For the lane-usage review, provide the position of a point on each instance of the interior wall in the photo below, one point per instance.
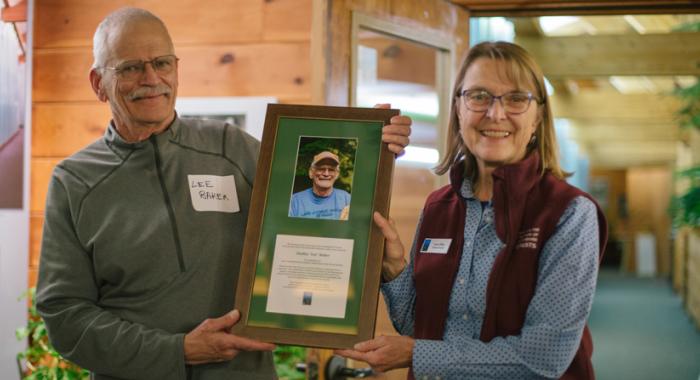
(14, 217)
(649, 193)
(615, 206)
(226, 48)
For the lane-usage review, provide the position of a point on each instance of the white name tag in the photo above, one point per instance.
(213, 193)
(439, 246)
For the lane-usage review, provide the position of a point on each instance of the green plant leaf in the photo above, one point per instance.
(39, 350)
(21, 333)
(286, 359)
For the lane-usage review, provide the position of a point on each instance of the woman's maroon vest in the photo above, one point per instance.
(527, 208)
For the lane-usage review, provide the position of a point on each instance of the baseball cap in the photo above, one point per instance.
(325, 155)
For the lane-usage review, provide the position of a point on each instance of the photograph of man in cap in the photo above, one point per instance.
(322, 200)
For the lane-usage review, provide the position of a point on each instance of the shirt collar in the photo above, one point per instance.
(112, 137)
(521, 175)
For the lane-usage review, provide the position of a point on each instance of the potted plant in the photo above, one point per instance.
(40, 361)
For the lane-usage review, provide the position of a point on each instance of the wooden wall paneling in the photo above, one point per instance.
(295, 100)
(36, 227)
(61, 129)
(41, 169)
(31, 276)
(287, 20)
(62, 75)
(269, 69)
(71, 23)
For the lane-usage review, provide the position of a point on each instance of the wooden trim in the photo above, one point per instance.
(604, 55)
(319, 51)
(439, 42)
(489, 8)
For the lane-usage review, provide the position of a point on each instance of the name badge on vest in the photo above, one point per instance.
(213, 193)
(439, 246)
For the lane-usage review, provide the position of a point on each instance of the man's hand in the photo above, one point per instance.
(394, 262)
(383, 353)
(397, 132)
(211, 341)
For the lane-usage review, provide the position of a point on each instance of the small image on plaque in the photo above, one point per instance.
(306, 300)
(322, 181)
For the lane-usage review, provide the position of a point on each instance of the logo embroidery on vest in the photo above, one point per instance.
(528, 238)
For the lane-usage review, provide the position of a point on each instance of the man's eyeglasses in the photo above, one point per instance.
(133, 70)
(515, 102)
(324, 169)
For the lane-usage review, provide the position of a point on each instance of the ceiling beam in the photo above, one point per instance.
(611, 106)
(605, 55)
(615, 155)
(623, 132)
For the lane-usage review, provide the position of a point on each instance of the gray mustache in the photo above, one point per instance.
(143, 92)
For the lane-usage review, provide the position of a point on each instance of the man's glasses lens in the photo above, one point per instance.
(326, 169)
(132, 70)
(512, 102)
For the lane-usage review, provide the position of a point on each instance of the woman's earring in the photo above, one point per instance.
(533, 139)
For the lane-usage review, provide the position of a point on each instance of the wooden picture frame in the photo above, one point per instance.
(312, 278)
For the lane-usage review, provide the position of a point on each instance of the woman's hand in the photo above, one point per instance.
(394, 261)
(383, 353)
(396, 134)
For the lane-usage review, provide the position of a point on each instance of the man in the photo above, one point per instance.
(322, 200)
(138, 272)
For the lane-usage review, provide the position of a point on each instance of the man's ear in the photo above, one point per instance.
(311, 175)
(96, 83)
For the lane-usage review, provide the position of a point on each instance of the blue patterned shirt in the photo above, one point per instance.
(555, 317)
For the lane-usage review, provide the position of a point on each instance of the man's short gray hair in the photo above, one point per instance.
(113, 22)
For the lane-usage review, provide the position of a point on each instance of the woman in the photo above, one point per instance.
(504, 262)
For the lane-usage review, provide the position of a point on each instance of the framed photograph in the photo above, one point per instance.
(312, 256)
